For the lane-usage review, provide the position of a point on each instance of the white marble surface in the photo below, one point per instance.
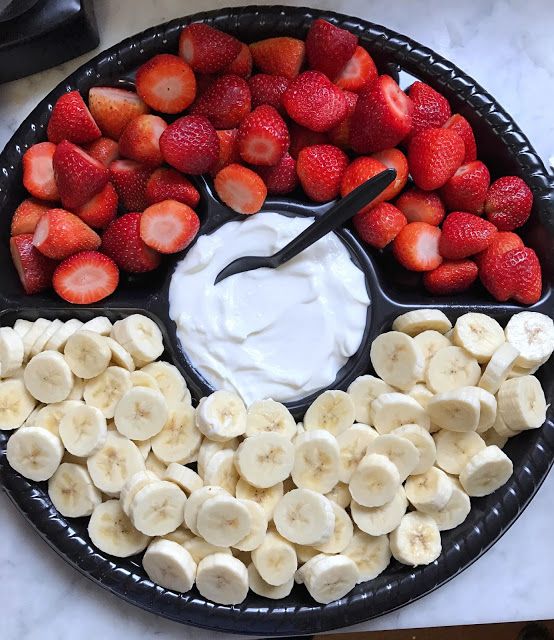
(507, 46)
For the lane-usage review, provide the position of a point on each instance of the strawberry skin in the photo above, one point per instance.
(434, 155)
(240, 188)
(279, 56)
(451, 277)
(38, 172)
(168, 226)
(86, 277)
(465, 234)
(416, 247)
(206, 49)
(281, 178)
(27, 215)
(140, 139)
(329, 48)
(320, 169)
(340, 135)
(71, 120)
(393, 159)
(113, 108)
(34, 270)
(242, 64)
(359, 171)
(467, 188)
(301, 137)
(430, 108)
(190, 144)
(228, 150)
(516, 274)
(263, 137)
(379, 225)
(509, 203)
(121, 241)
(358, 73)
(225, 102)
(101, 209)
(266, 89)
(421, 206)
(60, 234)
(168, 184)
(502, 242)
(462, 127)
(105, 150)
(129, 179)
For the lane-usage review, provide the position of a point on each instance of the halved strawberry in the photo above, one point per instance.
(105, 150)
(266, 89)
(60, 234)
(451, 277)
(280, 56)
(393, 159)
(359, 171)
(416, 247)
(421, 206)
(168, 226)
(71, 120)
(140, 139)
(434, 155)
(379, 225)
(113, 108)
(358, 73)
(166, 83)
(190, 144)
(38, 172)
(86, 277)
(467, 188)
(328, 47)
(34, 270)
(509, 203)
(242, 64)
(240, 188)
(263, 137)
(340, 135)
(282, 177)
(320, 170)
(26, 216)
(462, 127)
(101, 209)
(129, 179)
(207, 49)
(464, 235)
(430, 108)
(301, 137)
(228, 150)
(225, 102)
(168, 184)
(121, 241)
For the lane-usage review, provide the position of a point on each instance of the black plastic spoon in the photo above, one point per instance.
(330, 220)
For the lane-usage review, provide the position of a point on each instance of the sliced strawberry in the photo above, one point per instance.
(242, 64)
(451, 277)
(105, 150)
(60, 234)
(281, 178)
(301, 137)
(462, 127)
(464, 235)
(509, 203)
(266, 89)
(225, 102)
(502, 242)
(168, 184)
(434, 155)
(279, 56)
(101, 209)
(129, 179)
(168, 226)
(140, 139)
(71, 120)
(393, 159)
(27, 215)
(86, 277)
(190, 144)
(359, 171)
(430, 108)
(515, 274)
(228, 150)
(121, 241)
(113, 108)
(379, 225)
(263, 137)
(421, 206)
(166, 83)
(329, 48)
(358, 73)
(240, 188)
(416, 247)
(340, 135)
(467, 188)
(38, 172)
(206, 49)
(320, 170)
(34, 270)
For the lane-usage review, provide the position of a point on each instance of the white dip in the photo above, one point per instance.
(270, 333)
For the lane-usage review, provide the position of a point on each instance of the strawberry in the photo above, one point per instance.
(313, 101)
(129, 179)
(225, 102)
(263, 137)
(121, 241)
(509, 202)
(340, 135)
(467, 188)
(280, 178)
(86, 277)
(502, 242)
(515, 274)
(190, 144)
(168, 184)
(27, 215)
(266, 89)
(166, 83)
(279, 56)
(379, 225)
(451, 277)
(320, 169)
(434, 155)
(34, 270)
(240, 188)
(465, 234)
(329, 48)
(140, 139)
(206, 49)
(60, 234)
(462, 127)
(416, 247)
(301, 137)
(430, 108)
(242, 64)
(358, 73)
(359, 171)
(105, 150)
(71, 120)
(382, 118)
(101, 209)
(168, 226)
(113, 108)
(393, 159)
(421, 206)
(228, 150)
(38, 172)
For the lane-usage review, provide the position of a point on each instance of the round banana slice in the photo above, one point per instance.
(87, 354)
(221, 416)
(141, 413)
(377, 521)
(170, 565)
(400, 451)
(479, 334)
(414, 322)
(222, 579)
(486, 472)
(397, 359)
(375, 481)
(452, 368)
(521, 403)
(199, 548)
(48, 377)
(329, 578)
(50, 415)
(179, 439)
(305, 553)
(34, 452)
(133, 485)
(421, 394)
(275, 559)
(456, 511)
(58, 341)
(112, 465)
(487, 410)
(371, 554)
(430, 342)
(316, 461)
(72, 492)
(196, 500)
(353, 444)
(269, 416)
(21, 326)
(141, 379)
(456, 410)
(11, 351)
(423, 442)
(498, 367)
(158, 508)
(180, 536)
(262, 588)
(16, 403)
(430, 490)
(532, 334)
(170, 381)
(363, 392)
(258, 527)
(77, 390)
(223, 521)
(208, 448)
(185, 478)
(221, 471)
(83, 430)
(40, 342)
(502, 428)
(342, 532)
(265, 459)
(36, 330)
(455, 449)
(106, 390)
(112, 532)
(304, 517)
(141, 336)
(393, 410)
(340, 494)
(120, 356)
(332, 411)
(417, 540)
(267, 498)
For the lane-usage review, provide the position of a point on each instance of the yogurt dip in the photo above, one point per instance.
(270, 333)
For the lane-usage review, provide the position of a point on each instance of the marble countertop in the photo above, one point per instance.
(507, 46)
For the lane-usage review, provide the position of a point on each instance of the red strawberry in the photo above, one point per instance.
(263, 137)
(281, 178)
(168, 184)
(113, 108)
(320, 170)
(266, 89)
(34, 270)
(329, 48)
(225, 102)
(166, 83)
(421, 206)
(379, 225)
(393, 159)
(434, 155)
(121, 241)
(340, 135)
(465, 234)
(509, 202)
(206, 49)
(101, 209)
(359, 171)
(416, 247)
(38, 172)
(190, 144)
(228, 150)
(462, 127)
(27, 215)
(71, 120)
(430, 108)
(168, 226)
(502, 242)
(78, 175)
(242, 64)
(467, 188)
(360, 71)
(60, 234)
(140, 139)
(86, 277)
(516, 274)
(313, 101)
(382, 118)
(240, 188)
(105, 150)
(301, 137)
(129, 179)
(451, 277)
(279, 56)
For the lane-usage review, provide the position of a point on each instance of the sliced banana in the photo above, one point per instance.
(221, 471)
(517, 371)
(456, 510)
(40, 342)
(429, 491)
(199, 548)
(455, 449)
(305, 553)
(532, 334)
(21, 326)
(112, 465)
(521, 403)
(275, 559)
(120, 356)
(316, 461)
(72, 492)
(422, 441)
(452, 368)
(258, 527)
(487, 410)
(267, 498)
(486, 472)
(99, 324)
(414, 322)
(158, 508)
(375, 481)
(34, 452)
(185, 478)
(30, 420)
(50, 415)
(430, 342)
(196, 500)
(332, 411)
(377, 521)
(208, 448)
(170, 565)
(221, 416)
(353, 444)
(393, 410)
(223, 521)
(179, 439)
(479, 334)
(170, 381)
(340, 494)
(304, 517)
(141, 379)
(87, 353)
(498, 367)
(265, 459)
(400, 451)
(421, 393)
(269, 416)
(371, 554)
(329, 578)
(38, 328)
(58, 341)
(152, 463)
(397, 359)
(112, 532)
(16, 403)
(141, 413)
(417, 540)
(262, 588)
(342, 532)
(456, 410)
(133, 485)
(106, 390)
(222, 579)
(11, 351)
(363, 392)
(141, 336)
(181, 535)
(502, 428)
(83, 430)
(48, 377)
(77, 390)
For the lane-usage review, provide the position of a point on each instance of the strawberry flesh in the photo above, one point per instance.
(421, 206)
(416, 247)
(105, 150)
(393, 159)
(27, 215)
(280, 56)
(38, 171)
(114, 108)
(228, 150)
(166, 83)
(206, 49)
(86, 277)
(60, 234)
(168, 226)
(140, 139)
(240, 188)
(358, 73)
(263, 137)
(242, 64)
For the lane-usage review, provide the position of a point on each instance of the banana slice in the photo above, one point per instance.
(267, 498)
(456, 410)
(133, 485)
(156, 466)
(377, 521)
(342, 532)
(316, 461)
(258, 527)
(371, 554)
(486, 472)
(170, 565)
(199, 548)
(158, 508)
(532, 334)
(185, 478)
(170, 381)
(305, 517)
(72, 492)
(521, 403)
(305, 553)
(83, 430)
(353, 444)
(429, 491)
(479, 334)
(222, 579)
(269, 416)
(40, 342)
(455, 449)
(375, 481)
(112, 465)
(11, 351)
(179, 439)
(430, 342)
(221, 416)
(487, 410)
(502, 428)
(393, 410)
(265, 459)
(38, 328)
(58, 341)
(363, 392)
(417, 540)
(120, 356)
(456, 510)
(87, 353)
(414, 322)
(452, 368)
(141, 336)
(397, 359)
(208, 448)
(196, 500)
(223, 521)
(421, 393)
(221, 471)
(35, 453)
(275, 559)
(50, 415)
(262, 588)
(21, 326)
(106, 390)
(99, 324)
(493, 437)
(400, 451)
(422, 441)
(16, 403)
(141, 413)
(332, 411)
(329, 578)
(48, 377)
(517, 371)
(181, 535)
(498, 367)
(340, 494)
(112, 532)
(141, 379)
(77, 390)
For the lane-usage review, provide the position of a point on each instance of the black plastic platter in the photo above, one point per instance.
(504, 149)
